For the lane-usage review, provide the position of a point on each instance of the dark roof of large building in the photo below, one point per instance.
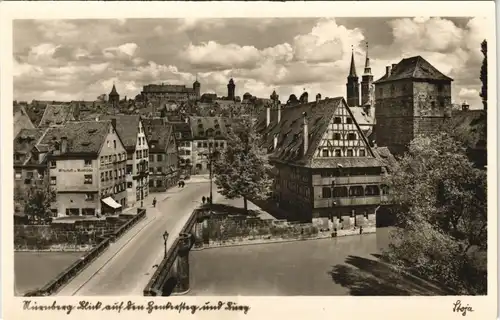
(184, 129)
(290, 135)
(127, 127)
(204, 127)
(57, 114)
(84, 137)
(158, 134)
(24, 142)
(414, 68)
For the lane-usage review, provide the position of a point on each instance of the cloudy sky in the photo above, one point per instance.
(81, 59)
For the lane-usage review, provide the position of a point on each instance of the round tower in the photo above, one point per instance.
(230, 89)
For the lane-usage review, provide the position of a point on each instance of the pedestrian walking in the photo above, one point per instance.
(203, 199)
(154, 202)
(179, 184)
(182, 184)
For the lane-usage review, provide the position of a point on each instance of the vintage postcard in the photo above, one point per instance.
(249, 160)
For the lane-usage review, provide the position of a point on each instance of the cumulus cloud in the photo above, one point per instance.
(84, 58)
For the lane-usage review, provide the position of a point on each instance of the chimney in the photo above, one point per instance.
(318, 97)
(368, 110)
(268, 115)
(306, 133)
(275, 141)
(113, 122)
(64, 144)
(393, 66)
(279, 113)
(388, 70)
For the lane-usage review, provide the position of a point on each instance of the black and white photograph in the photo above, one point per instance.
(252, 156)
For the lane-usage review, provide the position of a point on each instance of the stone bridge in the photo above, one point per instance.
(172, 275)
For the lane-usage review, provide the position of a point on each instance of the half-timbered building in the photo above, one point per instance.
(323, 165)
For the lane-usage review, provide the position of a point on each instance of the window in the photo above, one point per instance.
(324, 153)
(441, 104)
(159, 170)
(338, 153)
(356, 191)
(187, 152)
(372, 190)
(19, 174)
(326, 192)
(340, 192)
(129, 185)
(87, 163)
(114, 144)
(116, 173)
(351, 136)
(210, 145)
(130, 156)
(88, 211)
(87, 179)
(53, 181)
(385, 189)
(151, 157)
(199, 145)
(205, 145)
(159, 158)
(350, 153)
(151, 169)
(102, 176)
(433, 104)
(362, 153)
(349, 120)
(53, 164)
(107, 143)
(221, 144)
(89, 196)
(151, 183)
(336, 136)
(129, 169)
(337, 120)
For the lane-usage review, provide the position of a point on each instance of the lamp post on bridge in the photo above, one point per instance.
(210, 163)
(165, 237)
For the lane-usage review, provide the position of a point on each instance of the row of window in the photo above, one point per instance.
(346, 172)
(327, 153)
(29, 175)
(353, 191)
(139, 154)
(350, 136)
(185, 144)
(113, 190)
(210, 145)
(110, 175)
(157, 170)
(112, 158)
(338, 120)
(87, 179)
(142, 140)
(159, 157)
(440, 88)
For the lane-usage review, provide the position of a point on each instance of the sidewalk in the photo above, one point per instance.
(148, 201)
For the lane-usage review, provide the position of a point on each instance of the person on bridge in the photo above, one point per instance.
(179, 184)
(203, 199)
(182, 184)
(154, 202)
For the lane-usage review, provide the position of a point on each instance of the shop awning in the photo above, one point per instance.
(111, 202)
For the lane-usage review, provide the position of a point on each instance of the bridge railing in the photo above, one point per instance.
(160, 276)
(76, 267)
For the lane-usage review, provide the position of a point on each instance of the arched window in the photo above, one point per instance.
(325, 153)
(356, 191)
(362, 153)
(372, 190)
(350, 153)
(326, 192)
(338, 153)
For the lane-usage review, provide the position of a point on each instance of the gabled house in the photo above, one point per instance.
(184, 140)
(163, 160)
(21, 119)
(131, 130)
(323, 165)
(86, 163)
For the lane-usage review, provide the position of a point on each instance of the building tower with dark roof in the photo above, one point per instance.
(114, 98)
(367, 84)
(352, 85)
(230, 89)
(197, 88)
(412, 98)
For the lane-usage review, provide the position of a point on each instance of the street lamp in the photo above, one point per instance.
(165, 237)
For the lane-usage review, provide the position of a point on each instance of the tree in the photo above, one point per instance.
(241, 170)
(38, 202)
(441, 229)
(484, 74)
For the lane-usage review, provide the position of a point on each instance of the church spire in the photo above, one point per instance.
(352, 71)
(368, 69)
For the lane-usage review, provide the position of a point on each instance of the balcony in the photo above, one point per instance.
(326, 181)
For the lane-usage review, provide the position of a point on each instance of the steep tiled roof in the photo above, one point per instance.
(127, 126)
(361, 117)
(84, 137)
(57, 114)
(184, 129)
(21, 119)
(35, 113)
(24, 142)
(158, 134)
(201, 126)
(289, 131)
(414, 68)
